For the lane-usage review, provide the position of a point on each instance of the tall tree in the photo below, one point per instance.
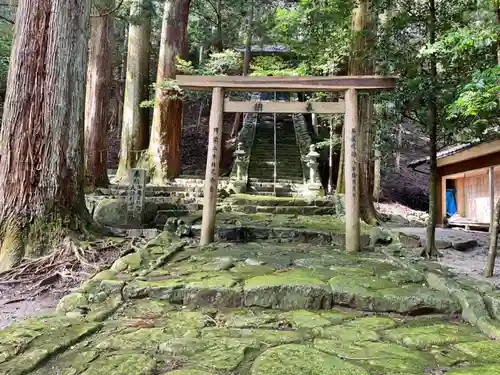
(98, 93)
(430, 247)
(361, 63)
(135, 126)
(166, 131)
(41, 139)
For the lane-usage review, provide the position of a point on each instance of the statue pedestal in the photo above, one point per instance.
(238, 187)
(313, 190)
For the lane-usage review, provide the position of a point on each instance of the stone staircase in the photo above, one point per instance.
(289, 176)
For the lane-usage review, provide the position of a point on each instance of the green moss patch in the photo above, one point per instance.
(122, 364)
(51, 342)
(477, 370)
(377, 356)
(487, 350)
(221, 355)
(361, 329)
(435, 334)
(300, 359)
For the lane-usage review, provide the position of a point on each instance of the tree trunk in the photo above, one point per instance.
(377, 189)
(430, 250)
(399, 146)
(340, 187)
(492, 251)
(98, 95)
(166, 132)
(246, 63)
(41, 138)
(361, 63)
(495, 223)
(135, 126)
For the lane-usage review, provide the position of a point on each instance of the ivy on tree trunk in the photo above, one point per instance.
(41, 139)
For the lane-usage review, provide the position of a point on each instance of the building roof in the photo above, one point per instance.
(447, 151)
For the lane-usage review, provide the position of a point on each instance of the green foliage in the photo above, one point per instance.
(227, 62)
(6, 35)
(318, 32)
(478, 100)
(275, 66)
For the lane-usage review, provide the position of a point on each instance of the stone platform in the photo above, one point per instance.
(266, 308)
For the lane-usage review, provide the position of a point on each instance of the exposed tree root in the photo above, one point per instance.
(70, 263)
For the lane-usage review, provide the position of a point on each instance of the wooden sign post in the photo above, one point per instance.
(212, 170)
(351, 149)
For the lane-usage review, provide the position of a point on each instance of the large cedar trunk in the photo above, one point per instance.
(98, 95)
(135, 126)
(41, 139)
(430, 250)
(166, 131)
(361, 63)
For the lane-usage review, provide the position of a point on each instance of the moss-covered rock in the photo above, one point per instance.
(492, 369)
(51, 342)
(130, 262)
(221, 355)
(113, 213)
(361, 329)
(484, 351)
(436, 334)
(253, 337)
(379, 357)
(71, 302)
(300, 359)
(293, 289)
(200, 289)
(122, 364)
(189, 372)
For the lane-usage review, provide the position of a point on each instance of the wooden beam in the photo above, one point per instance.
(491, 174)
(351, 147)
(212, 169)
(283, 107)
(314, 84)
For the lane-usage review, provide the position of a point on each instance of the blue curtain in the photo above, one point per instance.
(451, 202)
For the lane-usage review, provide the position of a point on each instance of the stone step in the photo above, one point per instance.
(248, 200)
(285, 210)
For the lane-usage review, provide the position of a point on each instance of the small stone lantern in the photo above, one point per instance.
(239, 153)
(312, 163)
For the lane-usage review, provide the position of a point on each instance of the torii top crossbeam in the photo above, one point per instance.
(249, 83)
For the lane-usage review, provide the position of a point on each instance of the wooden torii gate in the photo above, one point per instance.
(349, 84)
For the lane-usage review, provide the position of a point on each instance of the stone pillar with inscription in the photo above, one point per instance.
(351, 165)
(135, 196)
(212, 169)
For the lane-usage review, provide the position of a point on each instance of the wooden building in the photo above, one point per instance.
(471, 175)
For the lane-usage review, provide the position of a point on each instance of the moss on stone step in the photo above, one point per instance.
(287, 290)
(493, 369)
(379, 357)
(304, 360)
(361, 329)
(426, 336)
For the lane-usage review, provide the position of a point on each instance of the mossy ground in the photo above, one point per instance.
(250, 309)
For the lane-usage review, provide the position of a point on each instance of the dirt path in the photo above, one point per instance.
(469, 263)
